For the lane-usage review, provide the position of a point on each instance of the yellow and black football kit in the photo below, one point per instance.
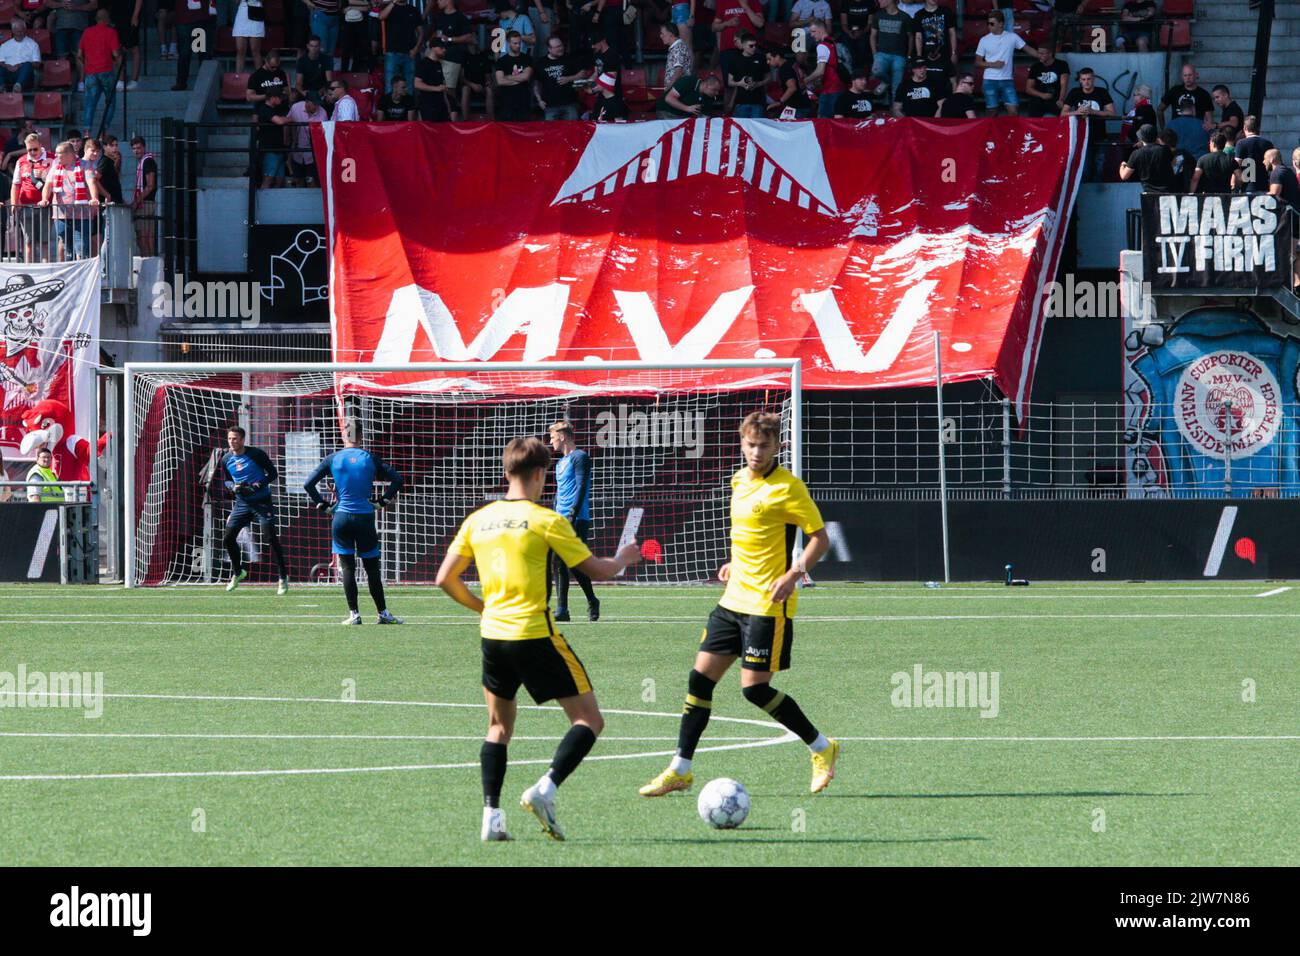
(510, 542)
(764, 515)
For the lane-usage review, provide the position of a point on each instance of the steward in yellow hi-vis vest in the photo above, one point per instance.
(510, 542)
(753, 622)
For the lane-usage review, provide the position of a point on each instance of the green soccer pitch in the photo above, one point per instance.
(1130, 724)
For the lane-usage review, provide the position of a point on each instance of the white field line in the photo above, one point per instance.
(1272, 592)
(1139, 739)
(169, 736)
(783, 737)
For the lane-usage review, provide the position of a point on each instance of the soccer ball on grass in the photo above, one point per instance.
(723, 804)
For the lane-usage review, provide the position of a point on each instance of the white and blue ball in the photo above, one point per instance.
(723, 804)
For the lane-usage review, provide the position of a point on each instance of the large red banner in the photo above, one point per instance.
(845, 244)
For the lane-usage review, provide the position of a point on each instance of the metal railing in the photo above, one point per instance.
(61, 233)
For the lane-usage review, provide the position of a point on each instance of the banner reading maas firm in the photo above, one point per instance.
(1214, 240)
(49, 316)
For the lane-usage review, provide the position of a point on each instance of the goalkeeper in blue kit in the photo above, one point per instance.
(249, 476)
(354, 471)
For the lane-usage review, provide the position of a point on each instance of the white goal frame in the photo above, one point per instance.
(133, 370)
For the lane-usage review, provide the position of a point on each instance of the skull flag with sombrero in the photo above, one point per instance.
(23, 323)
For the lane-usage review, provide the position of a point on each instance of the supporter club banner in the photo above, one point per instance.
(1214, 240)
(49, 314)
(844, 244)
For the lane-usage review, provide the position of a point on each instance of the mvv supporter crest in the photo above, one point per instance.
(1228, 397)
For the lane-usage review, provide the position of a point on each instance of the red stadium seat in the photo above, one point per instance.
(43, 41)
(365, 103)
(978, 8)
(1176, 35)
(1177, 8)
(56, 75)
(357, 81)
(636, 92)
(48, 106)
(225, 42)
(1021, 77)
(971, 33)
(11, 106)
(274, 39)
(234, 86)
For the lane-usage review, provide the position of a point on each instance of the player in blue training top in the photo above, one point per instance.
(354, 471)
(573, 501)
(249, 475)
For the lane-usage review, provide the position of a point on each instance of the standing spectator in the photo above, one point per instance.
(1191, 130)
(126, 20)
(556, 73)
(919, 95)
(788, 92)
(1151, 164)
(1135, 28)
(113, 150)
(734, 16)
(1142, 111)
(354, 36)
(605, 59)
(166, 28)
(960, 104)
(855, 102)
(143, 199)
(825, 79)
(30, 173)
(513, 18)
(1230, 114)
(936, 40)
(855, 24)
(994, 56)
(1045, 86)
(42, 475)
(690, 96)
(248, 30)
(1215, 170)
(475, 81)
(32, 13)
(1249, 153)
(302, 163)
(272, 118)
(452, 26)
(1088, 99)
(266, 79)
(70, 19)
(514, 76)
(805, 12)
(313, 71)
(681, 61)
(74, 194)
(99, 53)
(1281, 179)
(746, 79)
(396, 106)
(890, 39)
(343, 105)
(610, 107)
(105, 170)
(325, 24)
(1190, 91)
(19, 57)
(196, 32)
(1182, 161)
(403, 31)
(608, 19)
(544, 22)
(433, 93)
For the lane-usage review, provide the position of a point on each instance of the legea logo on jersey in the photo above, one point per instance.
(1228, 393)
(629, 428)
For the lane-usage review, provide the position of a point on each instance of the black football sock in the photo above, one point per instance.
(492, 763)
(375, 581)
(577, 743)
(348, 572)
(273, 540)
(695, 717)
(230, 540)
(562, 586)
(781, 706)
(584, 582)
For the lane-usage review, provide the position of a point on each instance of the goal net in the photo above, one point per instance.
(662, 440)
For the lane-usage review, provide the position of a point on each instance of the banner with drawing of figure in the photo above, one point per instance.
(1211, 402)
(49, 319)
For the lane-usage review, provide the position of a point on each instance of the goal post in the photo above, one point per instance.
(662, 439)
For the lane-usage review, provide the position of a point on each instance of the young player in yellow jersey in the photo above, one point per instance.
(754, 621)
(510, 541)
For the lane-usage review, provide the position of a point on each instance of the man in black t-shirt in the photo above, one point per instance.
(610, 107)
(1135, 28)
(855, 21)
(432, 95)
(312, 71)
(1230, 114)
(397, 106)
(272, 117)
(1045, 87)
(918, 95)
(1173, 99)
(1249, 152)
(1181, 160)
(556, 72)
(1213, 173)
(1090, 100)
(746, 73)
(267, 79)
(514, 76)
(1281, 179)
(605, 59)
(855, 102)
(961, 104)
(1149, 164)
(454, 27)
(792, 94)
(403, 29)
(936, 39)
